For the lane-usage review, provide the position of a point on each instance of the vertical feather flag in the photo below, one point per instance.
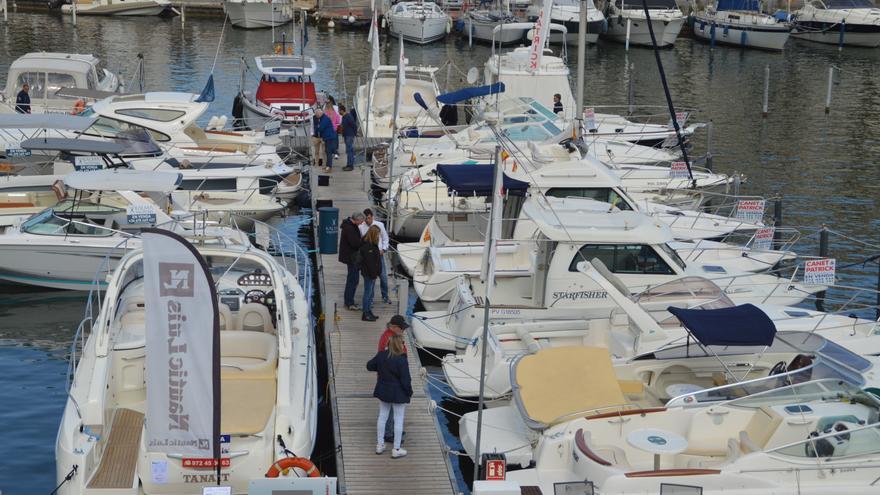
(373, 38)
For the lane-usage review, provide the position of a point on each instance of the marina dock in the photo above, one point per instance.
(351, 343)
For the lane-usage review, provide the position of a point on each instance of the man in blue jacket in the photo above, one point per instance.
(327, 134)
(23, 100)
(349, 131)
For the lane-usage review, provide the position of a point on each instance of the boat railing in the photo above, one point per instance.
(640, 114)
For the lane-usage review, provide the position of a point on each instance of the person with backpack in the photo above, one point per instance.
(349, 253)
(393, 389)
(371, 268)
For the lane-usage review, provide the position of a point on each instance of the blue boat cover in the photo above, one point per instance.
(744, 325)
(738, 5)
(468, 93)
(477, 180)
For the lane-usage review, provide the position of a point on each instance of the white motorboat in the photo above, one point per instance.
(375, 100)
(77, 242)
(48, 72)
(731, 434)
(418, 22)
(285, 93)
(118, 7)
(493, 26)
(627, 22)
(263, 371)
(255, 14)
(838, 22)
(628, 331)
(422, 193)
(634, 247)
(567, 13)
(740, 23)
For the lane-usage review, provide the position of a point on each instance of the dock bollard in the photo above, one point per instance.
(766, 90)
(823, 253)
(828, 94)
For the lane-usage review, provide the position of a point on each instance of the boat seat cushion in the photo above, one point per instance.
(760, 429)
(255, 317)
(247, 381)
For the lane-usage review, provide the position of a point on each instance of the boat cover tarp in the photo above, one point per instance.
(124, 180)
(468, 93)
(46, 121)
(555, 383)
(73, 145)
(751, 5)
(476, 180)
(290, 92)
(744, 325)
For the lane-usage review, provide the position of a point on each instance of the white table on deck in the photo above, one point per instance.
(657, 442)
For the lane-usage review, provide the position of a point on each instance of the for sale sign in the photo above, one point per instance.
(820, 272)
(590, 119)
(763, 239)
(678, 170)
(750, 210)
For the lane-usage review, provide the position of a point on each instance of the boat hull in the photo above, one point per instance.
(666, 31)
(823, 32)
(416, 31)
(67, 267)
(255, 118)
(760, 37)
(483, 31)
(257, 15)
(121, 8)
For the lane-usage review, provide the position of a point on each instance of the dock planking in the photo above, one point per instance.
(352, 343)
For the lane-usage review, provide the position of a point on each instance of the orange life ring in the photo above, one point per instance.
(78, 107)
(293, 462)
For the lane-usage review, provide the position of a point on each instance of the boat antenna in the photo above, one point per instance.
(684, 153)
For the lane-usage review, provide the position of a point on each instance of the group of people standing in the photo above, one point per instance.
(363, 242)
(328, 122)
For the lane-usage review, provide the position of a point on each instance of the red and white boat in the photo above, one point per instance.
(286, 92)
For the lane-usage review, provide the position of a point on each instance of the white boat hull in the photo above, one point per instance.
(67, 267)
(762, 37)
(418, 31)
(832, 37)
(665, 31)
(482, 31)
(257, 15)
(121, 8)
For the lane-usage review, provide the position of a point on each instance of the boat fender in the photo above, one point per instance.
(384, 23)
(448, 26)
(742, 38)
(331, 24)
(237, 108)
(351, 19)
(78, 107)
(282, 465)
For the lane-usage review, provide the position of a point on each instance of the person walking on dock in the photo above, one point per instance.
(396, 326)
(384, 244)
(317, 142)
(349, 246)
(393, 389)
(23, 100)
(349, 132)
(371, 267)
(327, 132)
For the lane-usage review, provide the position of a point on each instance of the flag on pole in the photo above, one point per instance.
(541, 31)
(182, 348)
(207, 94)
(373, 38)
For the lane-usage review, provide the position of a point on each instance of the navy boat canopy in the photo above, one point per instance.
(744, 325)
(468, 93)
(751, 5)
(477, 180)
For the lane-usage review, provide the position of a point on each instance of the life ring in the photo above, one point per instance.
(293, 462)
(78, 107)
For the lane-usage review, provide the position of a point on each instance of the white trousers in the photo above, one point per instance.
(385, 409)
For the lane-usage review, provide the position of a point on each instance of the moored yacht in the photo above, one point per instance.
(285, 92)
(239, 328)
(838, 22)
(420, 22)
(740, 23)
(374, 100)
(567, 13)
(627, 22)
(493, 26)
(118, 7)
(255, 14)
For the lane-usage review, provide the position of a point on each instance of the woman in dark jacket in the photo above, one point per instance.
(393, 389)
(371, 267)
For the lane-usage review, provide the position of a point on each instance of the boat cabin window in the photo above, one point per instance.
(209, 185)
(652, 4)
(36, 81)
(157, 114)
(107, 127)
(91, 81)
(673, 255)
(623, 258)
(56, 81)
(601, 194)
(72, 218)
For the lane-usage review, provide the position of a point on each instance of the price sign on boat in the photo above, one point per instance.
(820, 272)
(750, 210)
(764, 239)
(87, 163)
(13, 150)
(140, 214)
(590, 119)
(678, 170)
(273, 128)
(681, 118)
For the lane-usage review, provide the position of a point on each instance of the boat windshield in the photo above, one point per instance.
(815, 390)
(137, 139)
(652, 4)
(849, 4)
(832, 444)
(697, 291)
(72, 218)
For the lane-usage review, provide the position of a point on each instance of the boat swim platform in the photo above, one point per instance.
(118, 466)
(351, 343)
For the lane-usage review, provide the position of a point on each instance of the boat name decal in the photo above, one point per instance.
(580, 294)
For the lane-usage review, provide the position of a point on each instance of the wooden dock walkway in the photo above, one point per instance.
(352, 342)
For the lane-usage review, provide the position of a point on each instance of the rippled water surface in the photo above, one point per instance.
(825, 166)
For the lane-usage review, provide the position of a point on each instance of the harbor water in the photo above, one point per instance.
(825, 166)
